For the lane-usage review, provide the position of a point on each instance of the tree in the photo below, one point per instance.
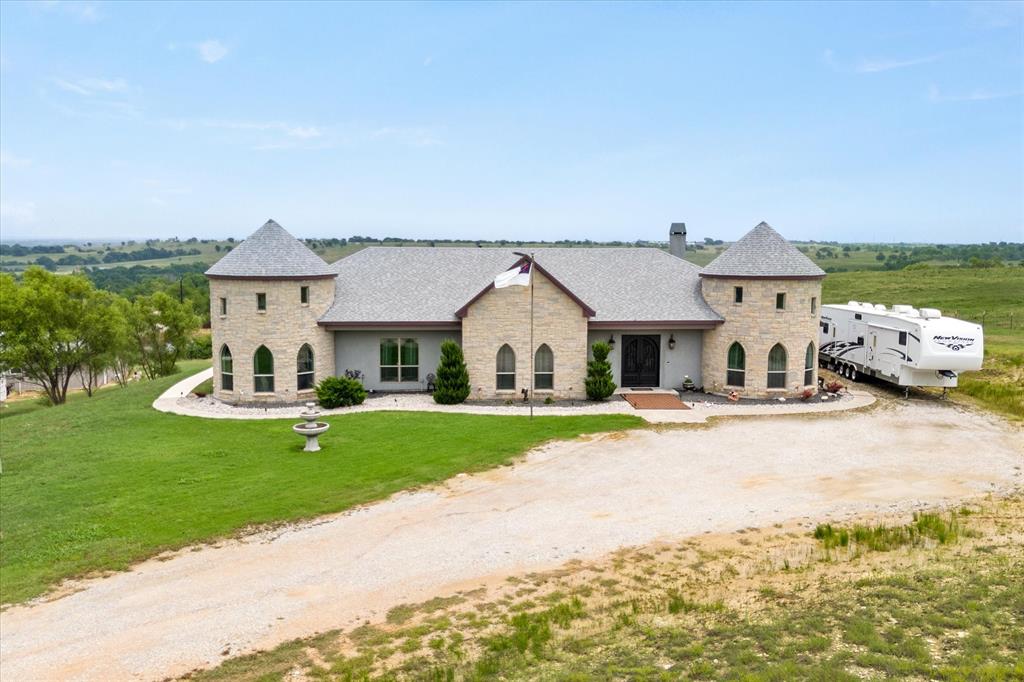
(123, 354)
(161, 327)
(45, 327)
(599, 384)
(100, 322)
(452, 376)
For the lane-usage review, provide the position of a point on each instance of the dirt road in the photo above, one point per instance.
(569, 500)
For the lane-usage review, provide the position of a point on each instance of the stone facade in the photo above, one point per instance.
(503, 316)
(283, 328)
(758, 325)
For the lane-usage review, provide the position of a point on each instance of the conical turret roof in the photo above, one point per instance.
(762, 252)
(271, 253)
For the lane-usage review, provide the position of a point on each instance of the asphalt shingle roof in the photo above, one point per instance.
(762, 252)
(427, 284)
(271, 252)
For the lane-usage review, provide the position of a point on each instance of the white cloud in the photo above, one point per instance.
(304, 132)
(211, 51)
(980, 95)
(877, 66)
(24, 212)
(91, 86)
(12, 161)
(86, 12)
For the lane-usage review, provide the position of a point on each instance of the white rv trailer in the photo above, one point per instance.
(901, 345)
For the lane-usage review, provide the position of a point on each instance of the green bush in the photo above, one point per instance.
(340, 392)
(599, 382)
(452, 384)
(199, 347)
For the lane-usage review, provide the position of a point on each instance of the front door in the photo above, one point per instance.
(641, 360)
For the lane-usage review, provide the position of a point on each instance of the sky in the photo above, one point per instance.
(846, 121)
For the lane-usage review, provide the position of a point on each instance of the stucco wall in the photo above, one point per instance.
(758, 326)
(283, 328)
(684, 360)
(503, 316)
(361, 350)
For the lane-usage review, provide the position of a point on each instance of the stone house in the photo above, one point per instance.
(283, 319)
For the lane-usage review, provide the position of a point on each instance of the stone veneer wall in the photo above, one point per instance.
(758, 326)
(503, 316)
(283, 328)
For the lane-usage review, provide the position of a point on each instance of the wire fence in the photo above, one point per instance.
(1010, 320)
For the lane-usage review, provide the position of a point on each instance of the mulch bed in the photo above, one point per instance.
(655, 401)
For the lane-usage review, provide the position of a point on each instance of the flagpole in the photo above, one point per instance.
(532, 354)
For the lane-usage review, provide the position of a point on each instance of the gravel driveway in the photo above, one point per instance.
(578, 499)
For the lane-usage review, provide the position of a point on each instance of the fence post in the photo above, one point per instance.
(1011, 319)
(983, 318)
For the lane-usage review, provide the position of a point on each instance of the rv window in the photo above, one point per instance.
(824, 327)
(857, 316)
(903, 338)
(860, 340)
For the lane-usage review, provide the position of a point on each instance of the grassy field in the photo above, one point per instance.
(939, 597)
(982, 295)
(102, 482)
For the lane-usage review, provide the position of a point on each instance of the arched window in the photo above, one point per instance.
(227, 374)
(544, 368)
(737, 366)
(304, 368)
(263, 370)
(777, 367)
(506, 369)
(809, 365)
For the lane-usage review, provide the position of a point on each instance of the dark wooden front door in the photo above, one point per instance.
(641, 360)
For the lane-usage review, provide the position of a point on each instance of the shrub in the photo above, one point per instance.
(452, 384)
(199, 347)
(599, 384)
(834, 387)
(340, 392)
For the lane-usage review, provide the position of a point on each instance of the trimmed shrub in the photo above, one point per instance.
(599, 382)
(452, 385)
(340, 392)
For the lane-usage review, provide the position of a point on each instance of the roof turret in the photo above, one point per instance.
(271, 253)
(763, 253)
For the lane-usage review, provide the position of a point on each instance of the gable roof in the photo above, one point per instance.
(763, 252)
(411, 284)
(587, 310)
(271, 253)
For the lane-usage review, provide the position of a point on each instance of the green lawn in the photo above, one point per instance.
(100, 483)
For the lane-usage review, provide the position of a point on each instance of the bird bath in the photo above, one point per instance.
(311, 428)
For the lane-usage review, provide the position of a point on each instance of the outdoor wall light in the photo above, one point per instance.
(611, 341)
(671, 342)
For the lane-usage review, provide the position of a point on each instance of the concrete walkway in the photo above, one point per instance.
(176, 400)
(568, 500)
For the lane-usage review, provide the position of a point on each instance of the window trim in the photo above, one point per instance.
(261, 301)
(304, 295)
(814, 305)
(742, 370)
(223, 306)
(230, 374)
(809, 365)
(498, 374)
(780, 297)
(311, 372)
(399, 366)
(737, 295)
(536, 373)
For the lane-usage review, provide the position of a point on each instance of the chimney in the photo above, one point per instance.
(677, 239)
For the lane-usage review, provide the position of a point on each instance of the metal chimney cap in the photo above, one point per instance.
(678, 228)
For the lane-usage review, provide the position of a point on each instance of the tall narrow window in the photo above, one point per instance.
(261, 302)
(304, 368)
(227, 374)
(737, 294)
(780, 301)
(777, 367)
(304, 295)
(814, 304)
(399, 360)
(544, 368)
(809, 365)
(223, 306)
(737, 366)
(506, 369)
(263, 370)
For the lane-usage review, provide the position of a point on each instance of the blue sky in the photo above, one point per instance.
(855, 122)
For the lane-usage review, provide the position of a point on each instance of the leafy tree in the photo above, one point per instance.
(599, 384)
(452, 375)
(123, 353)
(101, 323)
(45, 327)
(161, 328)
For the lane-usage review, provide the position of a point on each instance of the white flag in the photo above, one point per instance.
(519, 276)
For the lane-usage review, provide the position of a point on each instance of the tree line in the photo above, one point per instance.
(55, 326)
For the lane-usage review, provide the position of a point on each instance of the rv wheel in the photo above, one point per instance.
(853, 374)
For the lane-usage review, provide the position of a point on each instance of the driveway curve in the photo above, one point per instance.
(579, 499)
